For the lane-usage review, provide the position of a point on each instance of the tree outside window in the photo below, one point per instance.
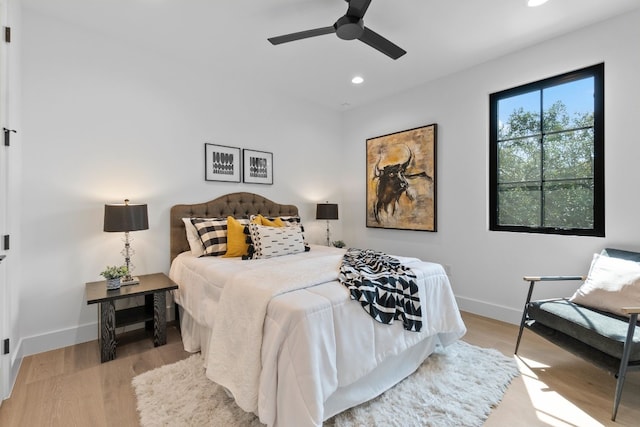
(547, 155)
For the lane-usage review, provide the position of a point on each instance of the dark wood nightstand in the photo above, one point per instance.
(154, 312)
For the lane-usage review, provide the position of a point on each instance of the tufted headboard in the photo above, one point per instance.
(238, 205)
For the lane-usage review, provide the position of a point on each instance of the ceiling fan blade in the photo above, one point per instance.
(378, 42)
(358, 8)
(302, 35)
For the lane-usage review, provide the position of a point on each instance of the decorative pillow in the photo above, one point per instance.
(213, 234)
(276, 222)
(269, 222)
(253, 219)
(237, 245)
(269, 242)
(292, 221)
(193, 237)
(195, 244)
(612, 283)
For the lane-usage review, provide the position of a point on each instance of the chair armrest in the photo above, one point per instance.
(551, 278)
(534, 279)
(631, 310)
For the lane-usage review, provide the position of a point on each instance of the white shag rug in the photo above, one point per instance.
(456, 386)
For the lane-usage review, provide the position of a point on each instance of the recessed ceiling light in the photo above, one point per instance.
(357, 80)
(534, 3)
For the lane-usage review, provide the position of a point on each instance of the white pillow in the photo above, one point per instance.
(193, 237)
(269, 242)
(612, 283)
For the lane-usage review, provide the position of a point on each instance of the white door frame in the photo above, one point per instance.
(5, 372)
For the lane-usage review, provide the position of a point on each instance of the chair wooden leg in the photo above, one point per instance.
(624, 362)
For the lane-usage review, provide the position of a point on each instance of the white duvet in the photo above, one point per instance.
(285, 335)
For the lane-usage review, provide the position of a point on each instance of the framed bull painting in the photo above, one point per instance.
(401, 180)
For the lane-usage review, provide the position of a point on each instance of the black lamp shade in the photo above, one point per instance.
(326, 211)
(125, 217)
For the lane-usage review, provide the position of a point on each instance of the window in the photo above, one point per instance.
(547, 155)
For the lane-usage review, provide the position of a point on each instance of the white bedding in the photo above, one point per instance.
(318, 352)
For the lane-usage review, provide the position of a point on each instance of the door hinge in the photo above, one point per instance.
(5, 242)
(7, 34)
(7, 136)
(5, 349)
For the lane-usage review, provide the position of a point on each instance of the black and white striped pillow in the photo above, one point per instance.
(213, 233)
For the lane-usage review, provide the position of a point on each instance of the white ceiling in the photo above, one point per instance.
(440, 36)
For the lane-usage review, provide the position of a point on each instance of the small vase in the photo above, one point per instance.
(113, 283)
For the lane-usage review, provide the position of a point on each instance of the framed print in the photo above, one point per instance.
(401, 180)
(221, 163)
(258, 167)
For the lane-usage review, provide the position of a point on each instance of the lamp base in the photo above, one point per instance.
(125, 281)
(328, 235)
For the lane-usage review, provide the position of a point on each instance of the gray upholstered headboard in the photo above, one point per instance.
(238, 205)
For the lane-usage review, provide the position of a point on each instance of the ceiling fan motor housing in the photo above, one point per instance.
(349, 27)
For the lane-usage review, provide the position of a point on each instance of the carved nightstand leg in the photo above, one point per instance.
(159, 318)
(107, 331)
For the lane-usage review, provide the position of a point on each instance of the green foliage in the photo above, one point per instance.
(113, 272)
(545, 170)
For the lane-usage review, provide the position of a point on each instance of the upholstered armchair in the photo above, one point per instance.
(598, 323)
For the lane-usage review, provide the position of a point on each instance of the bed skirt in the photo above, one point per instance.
(392, 370)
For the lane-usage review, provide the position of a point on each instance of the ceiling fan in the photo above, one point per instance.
(349, 27)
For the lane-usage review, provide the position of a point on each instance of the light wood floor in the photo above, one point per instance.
(70, 387)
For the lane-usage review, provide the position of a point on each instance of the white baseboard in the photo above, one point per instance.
(493, 311)
(65, 337)
(45, 342)
(57, 339)
(13, 375)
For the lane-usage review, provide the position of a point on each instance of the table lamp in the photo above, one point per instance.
(328, 211)
(125, 218)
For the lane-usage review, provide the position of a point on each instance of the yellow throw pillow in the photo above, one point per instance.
(236, 239)
(277, 222)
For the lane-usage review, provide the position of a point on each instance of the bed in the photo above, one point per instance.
(306, 352)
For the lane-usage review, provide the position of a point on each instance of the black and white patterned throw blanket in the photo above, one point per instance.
(386, 289)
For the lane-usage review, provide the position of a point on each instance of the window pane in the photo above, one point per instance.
(568, 155)
(568, 105)
(569, 204)
(519, 115)
(519, 160)
(547, 155)
(519, 205)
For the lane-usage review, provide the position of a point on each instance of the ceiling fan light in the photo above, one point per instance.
(535, 3)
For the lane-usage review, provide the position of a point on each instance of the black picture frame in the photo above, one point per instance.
(257, 167)
(221, 163)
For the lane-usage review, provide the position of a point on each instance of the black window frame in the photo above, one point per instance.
(598, 230)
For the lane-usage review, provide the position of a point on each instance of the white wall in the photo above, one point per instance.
(104, 121)
(487, 267)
